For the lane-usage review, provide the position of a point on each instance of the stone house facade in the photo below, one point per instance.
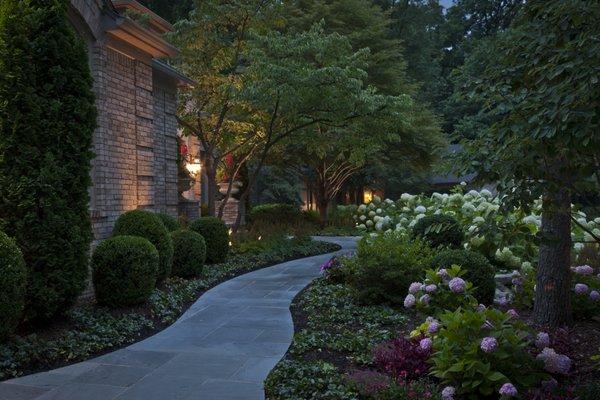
(135, 143)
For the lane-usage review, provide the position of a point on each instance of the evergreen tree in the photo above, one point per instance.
(47, 118)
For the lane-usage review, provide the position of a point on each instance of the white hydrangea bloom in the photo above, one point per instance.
(420, 210)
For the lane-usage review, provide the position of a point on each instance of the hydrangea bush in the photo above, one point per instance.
(441, 290)
(508, 239)
(479, 352)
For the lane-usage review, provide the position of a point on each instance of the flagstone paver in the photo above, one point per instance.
(222, 348)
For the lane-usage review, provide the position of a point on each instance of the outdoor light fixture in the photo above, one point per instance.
(194, 166)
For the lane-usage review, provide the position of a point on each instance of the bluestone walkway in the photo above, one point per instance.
(222, 348)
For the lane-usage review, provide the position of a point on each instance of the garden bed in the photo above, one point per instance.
(331, 356)
(88, 330)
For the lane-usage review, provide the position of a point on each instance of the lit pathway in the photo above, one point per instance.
(222, 348)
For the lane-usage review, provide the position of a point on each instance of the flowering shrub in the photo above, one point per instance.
(402, 358)
(477, 270)
(482, 352)
(443, 289)
(333, 270)
(586, 289)
(506, 239)
(386, 265)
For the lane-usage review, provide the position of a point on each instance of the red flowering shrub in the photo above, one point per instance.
(402, 358)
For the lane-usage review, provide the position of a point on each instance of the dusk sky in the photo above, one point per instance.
(446, 3)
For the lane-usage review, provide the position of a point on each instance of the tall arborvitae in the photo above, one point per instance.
(47, 118)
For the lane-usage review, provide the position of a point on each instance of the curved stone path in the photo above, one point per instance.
(222, 348)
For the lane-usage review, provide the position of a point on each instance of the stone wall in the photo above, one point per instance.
(135, 143)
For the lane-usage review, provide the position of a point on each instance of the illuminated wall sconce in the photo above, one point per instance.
(368, 196)
(194, 166)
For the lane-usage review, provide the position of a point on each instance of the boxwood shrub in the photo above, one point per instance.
(190, 253)
(386, 265)
(124, 270)
(13, 274)
(478, 271)
(215, 234)
(169, 222)
(440, 231)
(148, 225)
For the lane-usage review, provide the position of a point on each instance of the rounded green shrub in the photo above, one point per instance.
(190, 253)
(124, 270)
(215, 234)
(386, 265)
(169, 222)
(47, 120)
(478, 271)
(13, 274)
(148, 225)
(440, 231)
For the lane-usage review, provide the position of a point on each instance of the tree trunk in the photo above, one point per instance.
(553, 282)
(211, 184)
(323, 207)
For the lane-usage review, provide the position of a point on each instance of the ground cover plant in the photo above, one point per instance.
(88, 330)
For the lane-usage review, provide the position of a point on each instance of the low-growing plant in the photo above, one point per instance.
(477, 270)
(403, 358)
(296, 380)
(215, 234)
(441, 290)
(476, 352)
(415, 390)
(439, 230)
(13, 281)
(387, 265)
(124, 270)
(189, 255)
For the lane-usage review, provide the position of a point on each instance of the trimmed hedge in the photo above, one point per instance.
(13, 282)
(47, 119)
(124, 271)
(148, 225)
(169, 222)
(440, 231)
(478, 271)
(215, 234)
(275, 213)
(190, 253)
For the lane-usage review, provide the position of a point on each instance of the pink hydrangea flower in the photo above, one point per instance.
(443, 274)
(409, 301)
(448, 393)
(581, 288)
(433, 327)
(542, 340)
(509, 390)
(513, 313)
(424, 299)
(430, 288)
(583, 270)
(414, 287)
(425, 344)
(594, 295)
(553, 362)
(488, 344)
(457, 285)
